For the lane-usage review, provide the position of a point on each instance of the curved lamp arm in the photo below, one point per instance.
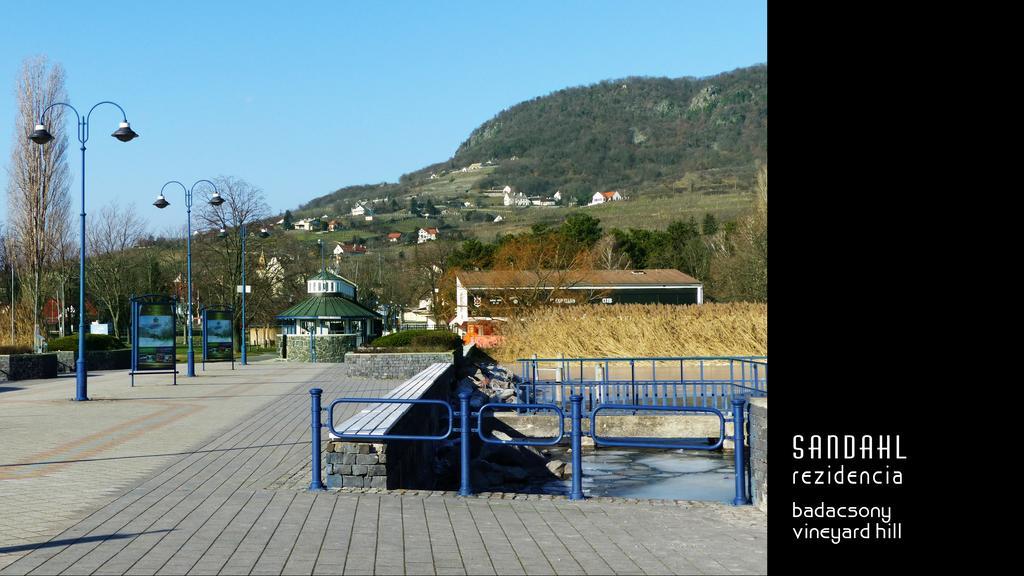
(78, 117)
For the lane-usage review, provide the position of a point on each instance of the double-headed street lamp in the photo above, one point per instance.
(241, 232)
(40, 135)
(161, 203)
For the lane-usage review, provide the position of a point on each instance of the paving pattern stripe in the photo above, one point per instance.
(122, 435)
(256, 422)
(254, 472)
(157, 482)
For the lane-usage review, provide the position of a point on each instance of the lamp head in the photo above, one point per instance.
(216, 199)
(264, 233)
(40, 135)
(222, 234)
(161, 202)
(124, 133)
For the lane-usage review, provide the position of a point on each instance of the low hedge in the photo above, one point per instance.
(419, 339)
(92, 342)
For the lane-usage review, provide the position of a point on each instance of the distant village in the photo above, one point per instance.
(369, 210)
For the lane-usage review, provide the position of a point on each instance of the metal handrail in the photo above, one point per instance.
(576, 435)
(371, 437)
(644, 442)
(549, 442)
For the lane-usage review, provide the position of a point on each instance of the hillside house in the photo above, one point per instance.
(602, 197)
(394, 236)
(308, 224)
(359, 210)
(517, 199)
(557, 197)
(333, 225)
(349, 250)
(426, 235)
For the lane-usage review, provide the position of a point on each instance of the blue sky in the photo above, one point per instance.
(303, 98)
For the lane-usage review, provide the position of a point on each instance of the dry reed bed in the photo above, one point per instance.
(637, 330)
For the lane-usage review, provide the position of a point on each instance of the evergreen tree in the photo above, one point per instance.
(710, 225)
(582, 229)
(288, 224)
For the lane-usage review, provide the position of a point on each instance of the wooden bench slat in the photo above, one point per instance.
(379, 419)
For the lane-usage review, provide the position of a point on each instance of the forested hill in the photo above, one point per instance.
(621, 133)
(629, 134)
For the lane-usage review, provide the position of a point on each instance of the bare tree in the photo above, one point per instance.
(607, 255)
(739, 267)
(38, 199)
(113, 269)
(219, 261)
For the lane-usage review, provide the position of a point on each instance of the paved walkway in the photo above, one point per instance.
(200, 479)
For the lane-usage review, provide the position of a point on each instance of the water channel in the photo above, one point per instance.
(638, 473)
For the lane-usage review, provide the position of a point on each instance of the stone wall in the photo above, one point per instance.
(28, 366)
(399, 464)
(356, 465)
(759, 452)
(66, 361)
(329, 347)
(393, 365)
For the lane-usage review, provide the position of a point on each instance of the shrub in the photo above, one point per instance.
(419, 339)
(437, 339)
(92, 342)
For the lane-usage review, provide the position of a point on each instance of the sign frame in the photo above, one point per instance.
(204, 312)
(156, 300)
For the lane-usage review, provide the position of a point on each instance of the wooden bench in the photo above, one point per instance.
(378, 419)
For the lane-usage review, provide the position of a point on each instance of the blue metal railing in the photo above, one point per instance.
(465, 428)
(704, 381)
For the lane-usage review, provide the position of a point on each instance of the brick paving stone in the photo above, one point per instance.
(209, 477)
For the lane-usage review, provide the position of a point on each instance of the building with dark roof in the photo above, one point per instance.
(485, 296)
(332, 309)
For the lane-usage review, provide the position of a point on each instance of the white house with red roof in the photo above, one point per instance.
(426, 234)
(394, 236)
(602, 197)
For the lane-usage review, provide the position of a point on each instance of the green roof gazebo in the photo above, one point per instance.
(333, 314)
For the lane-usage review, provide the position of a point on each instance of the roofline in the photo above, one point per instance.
(586, 287)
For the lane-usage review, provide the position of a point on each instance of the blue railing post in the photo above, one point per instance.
(464, 487)
(315, 425)
(576, 492)
(738, 440)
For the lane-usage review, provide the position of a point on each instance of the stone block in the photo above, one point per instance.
(343, 469)
(333, 481)
(378, 470)
(379, 482)
(382, 458)
(352, 481)
(348, 458)
(359, 470)
(366, 459)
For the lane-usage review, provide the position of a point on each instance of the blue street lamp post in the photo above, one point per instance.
(40, 135)
(244, 362)
(241, 231)
(162, 202)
